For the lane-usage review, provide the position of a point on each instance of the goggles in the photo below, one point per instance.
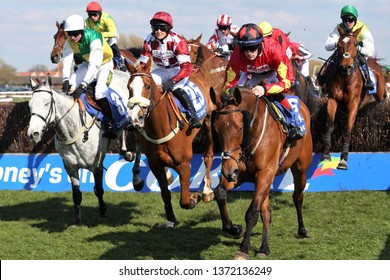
(164, 28)
(93, 14)
(249, 48)
(74, 33)
(224, 27)
(349, 19)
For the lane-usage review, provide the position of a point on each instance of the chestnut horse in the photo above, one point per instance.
(208, 64)
(254, 149)
(59, 42)
(166, 138)
(345, 89)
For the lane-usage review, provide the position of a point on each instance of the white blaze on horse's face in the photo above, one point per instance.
(40, 115)
(138, 104)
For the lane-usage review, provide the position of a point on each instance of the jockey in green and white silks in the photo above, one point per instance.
(96, 56)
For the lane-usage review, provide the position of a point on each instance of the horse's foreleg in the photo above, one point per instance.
(299, 186)
(234, 231)
(187, 200)
(159, 173)
(99, 191)
(138, 182)
(208, 194)
(76, 193)
(127, 155)
(352, 112)
(331, 109)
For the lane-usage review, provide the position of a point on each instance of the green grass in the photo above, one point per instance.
(38, 225)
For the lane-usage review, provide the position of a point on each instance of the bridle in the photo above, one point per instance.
(346, 55)
(52, 110)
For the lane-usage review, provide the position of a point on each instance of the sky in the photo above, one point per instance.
(28, 26)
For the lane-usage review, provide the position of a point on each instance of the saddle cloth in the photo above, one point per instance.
(120, 116)
(196, 97)
(294, 116)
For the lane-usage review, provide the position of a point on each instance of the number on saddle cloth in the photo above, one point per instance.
(196, 97)
(120, 116)
(294, 116)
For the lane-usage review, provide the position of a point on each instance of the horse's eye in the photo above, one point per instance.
(148, 87)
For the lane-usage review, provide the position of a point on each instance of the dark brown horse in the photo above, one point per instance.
(60, 39)
(345, 90)
(208, 64)
(166, 138)
(254, 149)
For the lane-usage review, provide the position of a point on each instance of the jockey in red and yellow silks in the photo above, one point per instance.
(271, 59)
(256, 59)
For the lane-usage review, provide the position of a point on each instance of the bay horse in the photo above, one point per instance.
(78, 136)
(254, 149)
(166, 139)
(345, 90)
(208, 64)
(56, 54)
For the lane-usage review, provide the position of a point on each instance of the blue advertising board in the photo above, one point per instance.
(45, 172)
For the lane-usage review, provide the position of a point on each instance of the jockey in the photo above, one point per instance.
(278, 35)
(104, 23)
(350, 23)
(259, 58)
(222, 40)
(96, 55)
(300, 58)
(171, 59)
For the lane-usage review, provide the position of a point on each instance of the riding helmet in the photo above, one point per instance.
(224, 20)
(349, 10)
(74, 22)
(94, 7)
(249, 35)
(160, 18)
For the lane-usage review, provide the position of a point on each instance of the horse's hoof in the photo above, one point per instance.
(261, 255)
(342, 165)
(128, 156)
(326, 157)
(235, 232)
(303, 234)
(138, 185)
(208, 197)
(170, 224)
(241, 256)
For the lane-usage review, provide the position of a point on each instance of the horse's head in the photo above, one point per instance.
(42, 111)
(347, 50)
(231, 124)
(59, 42)
(142, 92)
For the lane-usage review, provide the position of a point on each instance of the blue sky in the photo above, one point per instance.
(28, 26)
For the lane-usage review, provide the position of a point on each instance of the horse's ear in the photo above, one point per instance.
(58, 24)
(357, 31)
(237, 96)
(49, 80)
(340, 30)
(148, 65)
(214, 97)
(33, 83)
(199, 38)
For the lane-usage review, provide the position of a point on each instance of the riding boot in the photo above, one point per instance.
(186, 102)
(368, 85)
(294, 132)
(109, 131)
(120, 65)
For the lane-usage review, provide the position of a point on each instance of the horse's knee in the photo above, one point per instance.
(220, 193)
